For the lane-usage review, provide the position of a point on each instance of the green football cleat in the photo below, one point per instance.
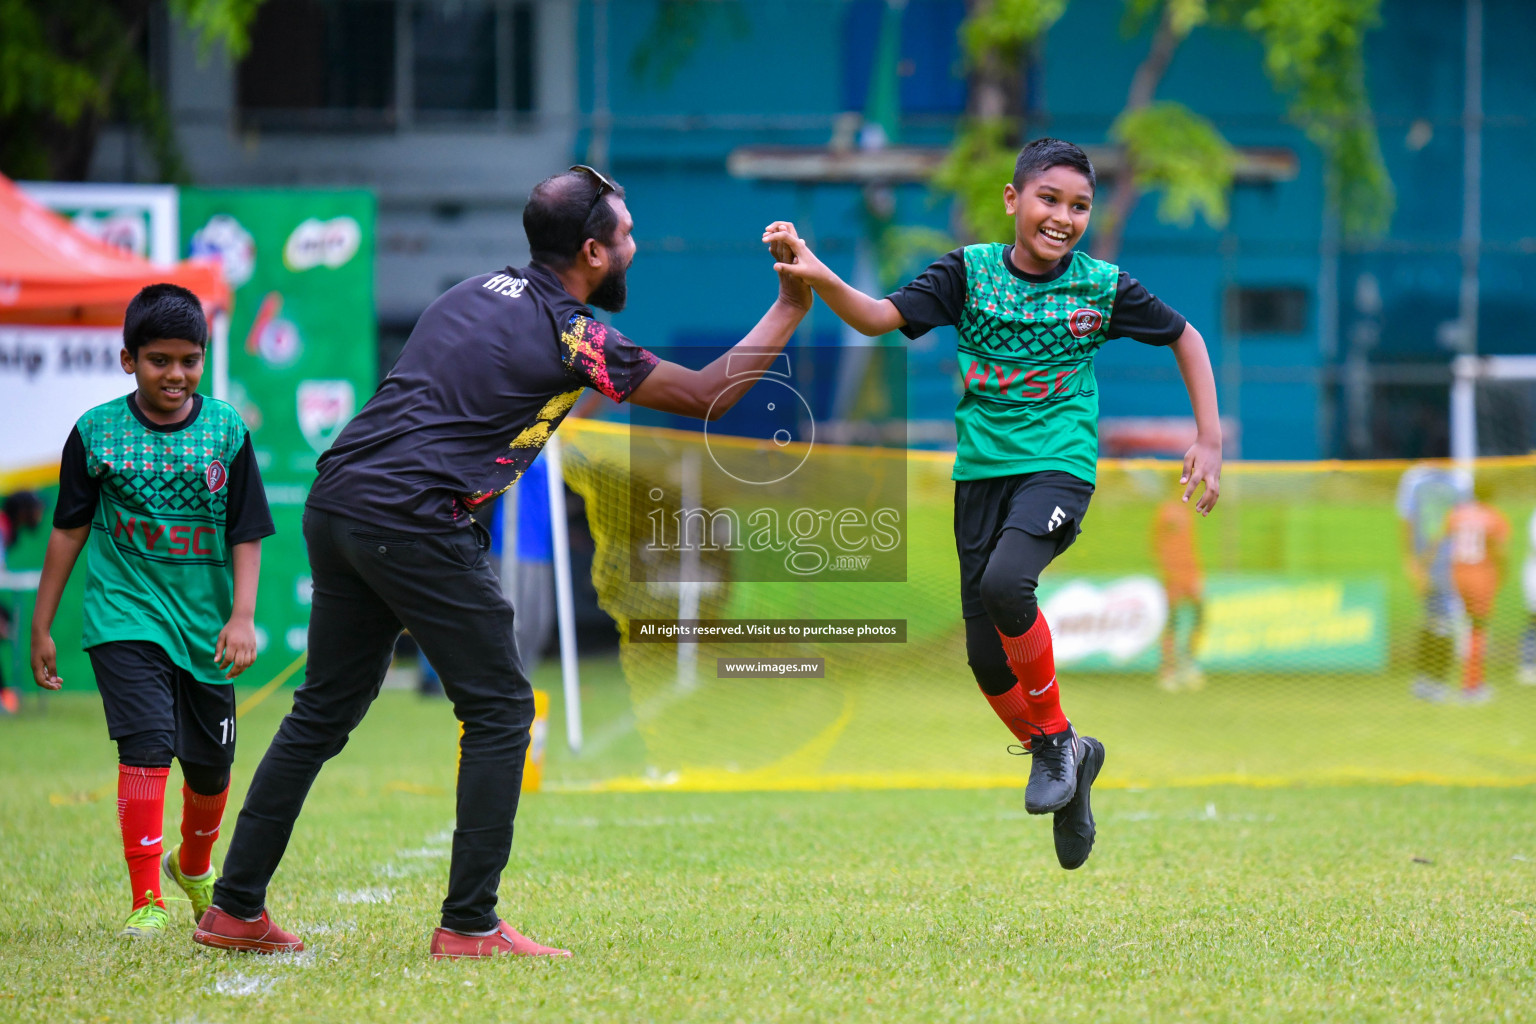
(198, 889)
(148, 922)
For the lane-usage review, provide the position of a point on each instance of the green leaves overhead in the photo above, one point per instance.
(1007, 27)
(216, 22)
(978, 165)
(1313, 55)
(1180, 155)
(68, 66)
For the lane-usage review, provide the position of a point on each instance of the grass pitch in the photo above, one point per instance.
(1205, 902)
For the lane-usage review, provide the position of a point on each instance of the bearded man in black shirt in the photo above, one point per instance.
(491, 369)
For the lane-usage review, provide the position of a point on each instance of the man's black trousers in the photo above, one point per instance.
(368, 584)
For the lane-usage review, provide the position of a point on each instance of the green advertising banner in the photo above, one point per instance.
(1248, 623)
(1268, 624)
(302, 359)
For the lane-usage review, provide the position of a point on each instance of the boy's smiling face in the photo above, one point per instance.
(1050, 213)
(168, 371)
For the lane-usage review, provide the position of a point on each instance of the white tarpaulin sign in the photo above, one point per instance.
(1110, 624)
(48, 377)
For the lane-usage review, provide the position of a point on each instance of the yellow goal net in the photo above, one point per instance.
(1329, 622)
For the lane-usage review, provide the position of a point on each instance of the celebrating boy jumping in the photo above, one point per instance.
(1031, 316)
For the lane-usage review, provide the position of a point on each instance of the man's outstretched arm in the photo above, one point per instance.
(674, 388)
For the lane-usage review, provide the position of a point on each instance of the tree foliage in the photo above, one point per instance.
(69, 67)
(1313, 54)
(996, 38)
(1179, 155)
(1006, 29)
(979, 161)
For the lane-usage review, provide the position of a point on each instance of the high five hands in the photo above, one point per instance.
(793, 257)
(794, 287)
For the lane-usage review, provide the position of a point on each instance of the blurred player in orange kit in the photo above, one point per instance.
(1173, 543)
(1526, 673)
(1479, 536)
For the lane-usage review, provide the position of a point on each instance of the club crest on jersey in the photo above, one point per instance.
(1084, 322)
(217, 476)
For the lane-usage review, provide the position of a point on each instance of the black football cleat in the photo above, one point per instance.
(1053, 773)
(1073, 827)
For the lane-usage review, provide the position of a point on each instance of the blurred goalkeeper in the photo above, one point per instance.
(1173, 544)
(1031, 316)
(1425, 497)
(1479, 540)
(490, 371)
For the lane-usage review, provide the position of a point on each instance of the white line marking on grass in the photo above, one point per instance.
(327, 928)
(660, 822)
(373, 894)
(296, 961)
(609, 734)
(628, 721)
(424, 852)
(411, 870)
(242, 985)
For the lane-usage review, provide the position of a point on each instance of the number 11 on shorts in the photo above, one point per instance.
(226, 731)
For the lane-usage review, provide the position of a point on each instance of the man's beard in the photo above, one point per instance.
(612, 291)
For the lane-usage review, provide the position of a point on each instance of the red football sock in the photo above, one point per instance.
(1037, 698)
(1014, 712)
(200, 818)
(1473, 675)
(141, 817)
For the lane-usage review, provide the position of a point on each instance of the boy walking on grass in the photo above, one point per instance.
(1031, 316)
(162, 486)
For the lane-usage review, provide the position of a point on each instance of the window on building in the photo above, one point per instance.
(453, 50)
(1269, 310)
(386, 64)
(310, 59)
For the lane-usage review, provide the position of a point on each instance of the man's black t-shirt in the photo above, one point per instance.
(489, 372)
(936, 298)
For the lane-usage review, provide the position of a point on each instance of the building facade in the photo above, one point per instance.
(451, 110)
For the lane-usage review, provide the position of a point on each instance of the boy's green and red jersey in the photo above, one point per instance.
(166, 505)
(1027, 342)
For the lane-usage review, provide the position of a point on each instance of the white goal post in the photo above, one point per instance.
(565, 603)
(1466, 373)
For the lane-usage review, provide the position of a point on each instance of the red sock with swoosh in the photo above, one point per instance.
(1036, 699)
(200, 818)
(141, 817)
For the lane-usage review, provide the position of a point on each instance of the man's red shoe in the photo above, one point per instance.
(226, 931)
(504, 941)
(10, 700)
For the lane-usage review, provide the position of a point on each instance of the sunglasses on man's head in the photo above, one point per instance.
(604, 186)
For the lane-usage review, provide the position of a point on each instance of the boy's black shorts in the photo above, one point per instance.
(1048, 503)
(144, 691)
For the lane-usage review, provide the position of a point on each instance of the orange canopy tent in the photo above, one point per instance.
(51, 272)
